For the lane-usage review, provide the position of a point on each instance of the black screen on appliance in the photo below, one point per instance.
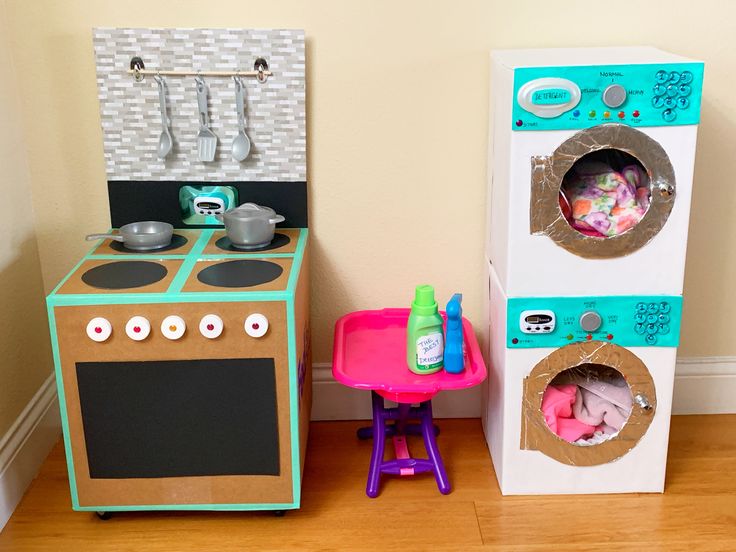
(180, 418)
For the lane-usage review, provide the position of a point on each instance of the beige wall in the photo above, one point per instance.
(25, 353)
(397, 124)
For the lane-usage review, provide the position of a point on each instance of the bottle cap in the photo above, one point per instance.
(424, 303)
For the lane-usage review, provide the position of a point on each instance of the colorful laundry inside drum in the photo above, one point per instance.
(602, 202)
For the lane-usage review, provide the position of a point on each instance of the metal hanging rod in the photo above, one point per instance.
(139, 71)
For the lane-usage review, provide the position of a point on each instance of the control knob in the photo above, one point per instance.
(614, 95)
(590, 321)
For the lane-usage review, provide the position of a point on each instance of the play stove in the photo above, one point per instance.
(184, 374)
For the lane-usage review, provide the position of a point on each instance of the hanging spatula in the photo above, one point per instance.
(206, 139)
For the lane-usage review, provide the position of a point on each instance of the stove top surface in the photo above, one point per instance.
(195, 262)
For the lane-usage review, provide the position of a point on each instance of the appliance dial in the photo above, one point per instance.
(211, 326)
(173, 327)
(256, 325)
(590, 321)
(614, 95)
(99, 329)
(138, 328)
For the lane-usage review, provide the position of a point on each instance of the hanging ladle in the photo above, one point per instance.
(165, 141)
(241, 143)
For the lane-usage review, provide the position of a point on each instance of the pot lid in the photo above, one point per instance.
(251, 211)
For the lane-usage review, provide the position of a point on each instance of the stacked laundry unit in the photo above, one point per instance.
(590, 176)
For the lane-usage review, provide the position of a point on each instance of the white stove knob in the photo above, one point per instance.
(256, 325)
(211, 326)
(173, 327)
(99, 329)
(138, 328)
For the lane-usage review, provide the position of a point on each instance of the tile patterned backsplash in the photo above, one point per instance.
(275, 111)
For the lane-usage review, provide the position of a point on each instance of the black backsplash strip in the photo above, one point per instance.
(132, 201)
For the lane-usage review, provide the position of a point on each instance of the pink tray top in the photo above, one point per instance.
(370, 353)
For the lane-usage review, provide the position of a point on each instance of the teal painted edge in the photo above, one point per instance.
(212, 507)
(62, 406)
(183, 297)
(296, 266)
(293, 401)
(65, 278)
(618, 313)
(188, 265)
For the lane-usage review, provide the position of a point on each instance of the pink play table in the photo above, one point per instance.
(370, 353)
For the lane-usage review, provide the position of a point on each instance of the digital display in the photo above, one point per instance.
(550, 96)
(538, 319)
(208, 205)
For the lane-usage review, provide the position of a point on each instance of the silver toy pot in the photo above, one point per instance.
(140, 236)
(249, 226)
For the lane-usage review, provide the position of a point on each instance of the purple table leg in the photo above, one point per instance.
(379, 440)
(432, 451)
(400, 415)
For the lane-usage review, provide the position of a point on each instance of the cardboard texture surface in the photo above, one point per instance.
(536, 435)
(74, 347)
(75, 284)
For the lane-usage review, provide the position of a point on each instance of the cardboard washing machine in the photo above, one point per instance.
(528, 457)
(553, 109)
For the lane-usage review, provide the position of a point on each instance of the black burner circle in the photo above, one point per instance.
(177, 240)
(124, 274)
(279, 240)
(242, 273)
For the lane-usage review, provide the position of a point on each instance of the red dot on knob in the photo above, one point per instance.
(588, 337)
(255, 326)
(98, 329)
(210, 327)
(609, 336)
(137, 329)
(636, 113)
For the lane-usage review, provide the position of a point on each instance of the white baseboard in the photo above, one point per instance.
(705, 385)
(26, 445)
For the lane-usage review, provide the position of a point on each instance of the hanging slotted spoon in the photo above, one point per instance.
(241, 143)
(165, 141)
(206, 139)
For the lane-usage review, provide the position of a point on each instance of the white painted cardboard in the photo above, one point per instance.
(533, 265)
(523, 472)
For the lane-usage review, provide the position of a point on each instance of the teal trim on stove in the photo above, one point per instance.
(135, 257)
(188, 265)
(624, 320)
(298, 258)
(65, 278)
(202, 507)
(293, 400)
(62, 406)
(166, 297)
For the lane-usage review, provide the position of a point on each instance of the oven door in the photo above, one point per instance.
(191, 422)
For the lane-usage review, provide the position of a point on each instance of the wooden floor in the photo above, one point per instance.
(697, 511)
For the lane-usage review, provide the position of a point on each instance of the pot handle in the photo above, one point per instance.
(116, 237)
(220, 218)
(276, 219)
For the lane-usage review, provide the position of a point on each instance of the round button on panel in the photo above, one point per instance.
(664, 329)
(256, 325)
(686, 77)
(99, 329)
(658, 101)
(641, 308)
(659, 89)
(640, 318)
(211, 326)
(651, 318)
(173, 327)
(683, 103)
(652, 308)
(614, 95)
(138, 328)
(640, 329)
(670, 103)
(590, 321)
(651, 339)
(661, 76)
(674, 77)
(669, 115)
(664, 307)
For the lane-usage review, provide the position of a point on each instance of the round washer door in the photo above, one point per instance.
(535, 432)
(547, 208)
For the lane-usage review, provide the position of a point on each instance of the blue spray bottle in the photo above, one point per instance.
(454, 358)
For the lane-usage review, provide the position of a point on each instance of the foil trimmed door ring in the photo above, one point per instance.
(549, 171)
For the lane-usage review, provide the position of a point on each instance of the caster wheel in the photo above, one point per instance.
(279, 513)
(104, 515)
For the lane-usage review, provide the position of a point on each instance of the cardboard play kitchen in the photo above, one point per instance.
(183, 369)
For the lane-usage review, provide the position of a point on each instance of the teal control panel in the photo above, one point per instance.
(629, 321)
(562, 98)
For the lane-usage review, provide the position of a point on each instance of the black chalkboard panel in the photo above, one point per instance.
(180, 418)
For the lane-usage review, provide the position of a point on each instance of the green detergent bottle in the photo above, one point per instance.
(425, 343)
